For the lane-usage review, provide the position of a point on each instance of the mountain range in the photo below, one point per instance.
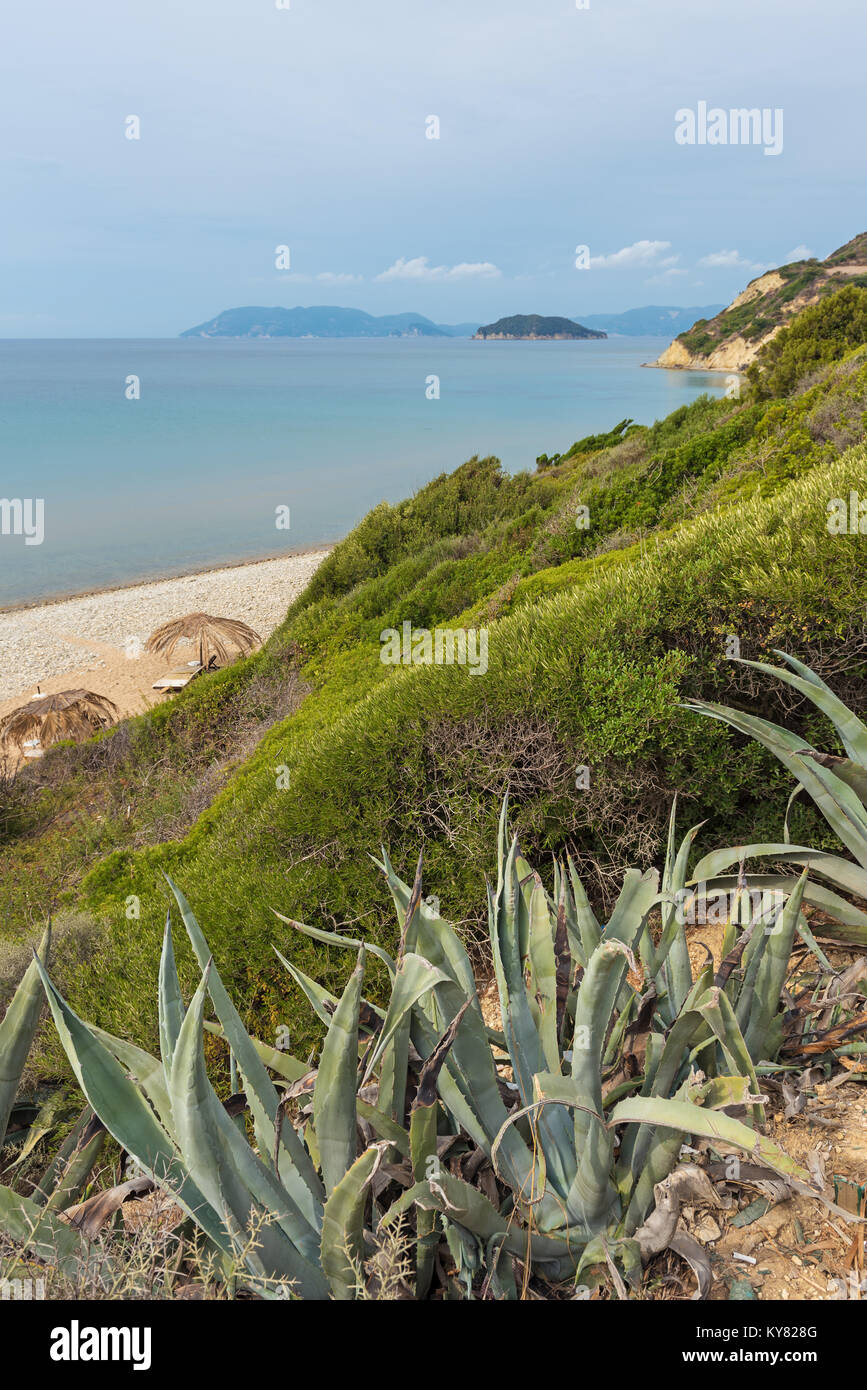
(330, 321)
(323, 321)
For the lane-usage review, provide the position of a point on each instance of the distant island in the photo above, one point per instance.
(331, 321)
(323, 321)
(651, 321)
(536, 327)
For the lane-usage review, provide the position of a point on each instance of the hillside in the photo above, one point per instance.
(731, 340)
(607, 584)
(536, 326)
(324, 321)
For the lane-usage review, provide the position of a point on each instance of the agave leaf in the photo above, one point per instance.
(25, 1223)
(710, 1124)
(852, 918)
(394, 1071)
(77, 1167)
(841, 872)
(772, 974)
(543, 974)
(663, 1148)
(47, 1117)
(423, 1145)
(853, 733)
(229, 1174)
(591, 1193)
(335, 1116)
(423, 1149)
(301, 1178)
(505, 913)
(467, 1083)
(144, 1069)
(125, 1112)
(321, 1000)
(169, 1002)
(415, 978)
(57, 1166)
(17, 1032)
(98, 1210)
(434, 937)
(468, 1207)
(663, 1065)
(716, 1009)
(334, 938)
(673, 955)
(589, 930)
(384, 1126)
(837, 802)
(343, 1225)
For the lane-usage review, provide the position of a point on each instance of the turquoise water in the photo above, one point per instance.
(224, 433)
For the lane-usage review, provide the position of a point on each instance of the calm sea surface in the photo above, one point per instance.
(224, 433)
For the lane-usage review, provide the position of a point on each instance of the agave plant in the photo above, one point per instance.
(837, 785)
(582, 1140)
(569, 1116)
(31, 1220)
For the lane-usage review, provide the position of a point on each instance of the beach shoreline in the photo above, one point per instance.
(95, 640)
(64, 596)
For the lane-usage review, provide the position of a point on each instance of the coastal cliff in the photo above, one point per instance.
(733, 338)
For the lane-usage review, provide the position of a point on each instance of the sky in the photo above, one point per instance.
(306, 124)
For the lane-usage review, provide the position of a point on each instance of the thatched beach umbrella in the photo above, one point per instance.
(68, 714)
(216, 639)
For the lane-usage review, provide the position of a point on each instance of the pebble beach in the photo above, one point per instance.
(88, 640)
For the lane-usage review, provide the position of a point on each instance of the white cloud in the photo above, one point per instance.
(419, 269)
(640, 253)
(665, 276)
(327, 277)
(800, 253)
(732, 260)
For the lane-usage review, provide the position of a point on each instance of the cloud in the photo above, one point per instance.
(419, 270)
(640, 253)
(328, 277)
(665, 276)
(799, 253)
(732, 260)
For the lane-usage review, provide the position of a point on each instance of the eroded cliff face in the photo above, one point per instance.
(736, 347)
(732, 356)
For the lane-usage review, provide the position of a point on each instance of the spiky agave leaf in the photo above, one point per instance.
(17, 1032)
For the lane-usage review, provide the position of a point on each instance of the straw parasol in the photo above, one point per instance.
(214, 638)
(67, 714)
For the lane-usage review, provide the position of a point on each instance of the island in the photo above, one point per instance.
(536, 327)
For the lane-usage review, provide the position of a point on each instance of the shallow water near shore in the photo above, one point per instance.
(224, 433)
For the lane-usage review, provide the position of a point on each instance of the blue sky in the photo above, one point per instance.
(306, 127)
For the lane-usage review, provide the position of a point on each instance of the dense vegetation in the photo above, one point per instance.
(610, 582)
(537, 326)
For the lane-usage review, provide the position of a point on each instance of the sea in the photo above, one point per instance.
(136, 460)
